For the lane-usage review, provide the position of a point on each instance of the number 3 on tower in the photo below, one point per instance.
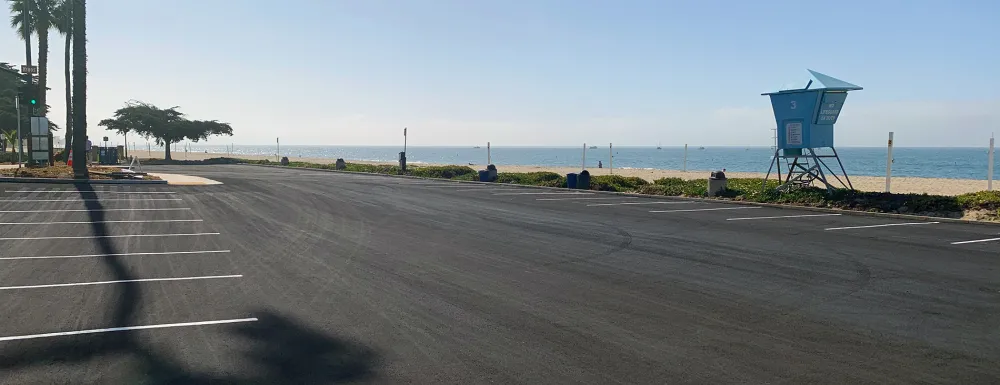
(793, 104)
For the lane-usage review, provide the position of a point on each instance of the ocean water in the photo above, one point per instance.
(959, 163)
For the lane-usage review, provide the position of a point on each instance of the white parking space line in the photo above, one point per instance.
(976, 241)
(572, 199)
(107, 236)
(90, 192)
(125, 328)
(487, 189)
(785, 216)
(115, 255)
(89, 200)
(120, 281)
(83, 222)
(883, 225)
(544, 193)
(85, 210)
(641, 203)
(453, 184)
(712, 209)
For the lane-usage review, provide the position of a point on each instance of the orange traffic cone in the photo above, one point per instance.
(69, 160)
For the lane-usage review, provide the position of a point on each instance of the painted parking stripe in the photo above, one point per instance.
(86, 210)
(120, 281)
(456, 184)
(125, 328)
(89, 200)
(976, 241)
(87, 222)
(107, 236)
(712, 209)
(883, 225)
(90, 192)
(114, 255)
(641, 203)
(572, 199)
(784, 216)
(545, 193)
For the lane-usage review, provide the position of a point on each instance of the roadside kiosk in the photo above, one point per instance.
(805, 119)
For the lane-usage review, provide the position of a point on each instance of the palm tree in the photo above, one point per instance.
(62, 17)
(10, 136)
(79, 88)
(20, 19)
(39, 21)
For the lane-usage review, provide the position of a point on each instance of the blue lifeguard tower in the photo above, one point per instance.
(805, 119)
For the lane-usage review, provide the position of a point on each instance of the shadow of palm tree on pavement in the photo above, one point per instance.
(283, 351)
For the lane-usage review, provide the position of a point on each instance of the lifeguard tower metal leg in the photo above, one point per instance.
(803, 170)
(805, 119)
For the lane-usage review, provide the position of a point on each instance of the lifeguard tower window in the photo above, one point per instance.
(805, 119)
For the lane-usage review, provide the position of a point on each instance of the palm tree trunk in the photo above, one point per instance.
(80, 89)
(43, 74)
(43, 71)
(26, 25)
(69, 94)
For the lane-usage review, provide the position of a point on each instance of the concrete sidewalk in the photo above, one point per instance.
(185, 180)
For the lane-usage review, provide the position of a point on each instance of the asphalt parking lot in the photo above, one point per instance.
(295, 276)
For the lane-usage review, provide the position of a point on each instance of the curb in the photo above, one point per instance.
(706, 200)
(74, 181)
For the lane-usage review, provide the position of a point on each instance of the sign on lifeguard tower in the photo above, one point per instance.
(805, 119)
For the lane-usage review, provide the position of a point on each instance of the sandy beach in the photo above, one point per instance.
(937, 186)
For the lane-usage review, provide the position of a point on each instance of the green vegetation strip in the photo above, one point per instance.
(983, 205)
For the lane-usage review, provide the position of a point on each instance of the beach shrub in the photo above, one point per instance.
(372, 168)
(678, 187)
(541, 178)
(983, 200)
(616, 183)
(445, 172)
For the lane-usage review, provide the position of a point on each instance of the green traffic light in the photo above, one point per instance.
(33, 102)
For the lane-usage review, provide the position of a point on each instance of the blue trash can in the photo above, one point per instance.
(484, 176)
(583, 180)
(571, 180)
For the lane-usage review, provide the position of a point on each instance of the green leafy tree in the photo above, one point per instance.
(166, 126)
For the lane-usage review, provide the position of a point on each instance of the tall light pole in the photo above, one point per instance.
(17, 100)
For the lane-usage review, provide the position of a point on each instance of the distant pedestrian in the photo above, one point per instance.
(600, 165)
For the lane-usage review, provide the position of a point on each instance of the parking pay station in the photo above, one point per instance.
(805, 119)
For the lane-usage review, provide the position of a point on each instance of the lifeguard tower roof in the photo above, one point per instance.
(826, 82)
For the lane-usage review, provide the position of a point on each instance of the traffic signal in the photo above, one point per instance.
(27, 90)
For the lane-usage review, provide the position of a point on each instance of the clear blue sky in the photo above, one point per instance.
(460, 72)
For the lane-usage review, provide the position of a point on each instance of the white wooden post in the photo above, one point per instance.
(888, 165)
(611, 157)
(989, 172)
(685, 158)
(489, 156)
(584, 157)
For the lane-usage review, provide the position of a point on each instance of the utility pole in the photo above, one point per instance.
(17, 100)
